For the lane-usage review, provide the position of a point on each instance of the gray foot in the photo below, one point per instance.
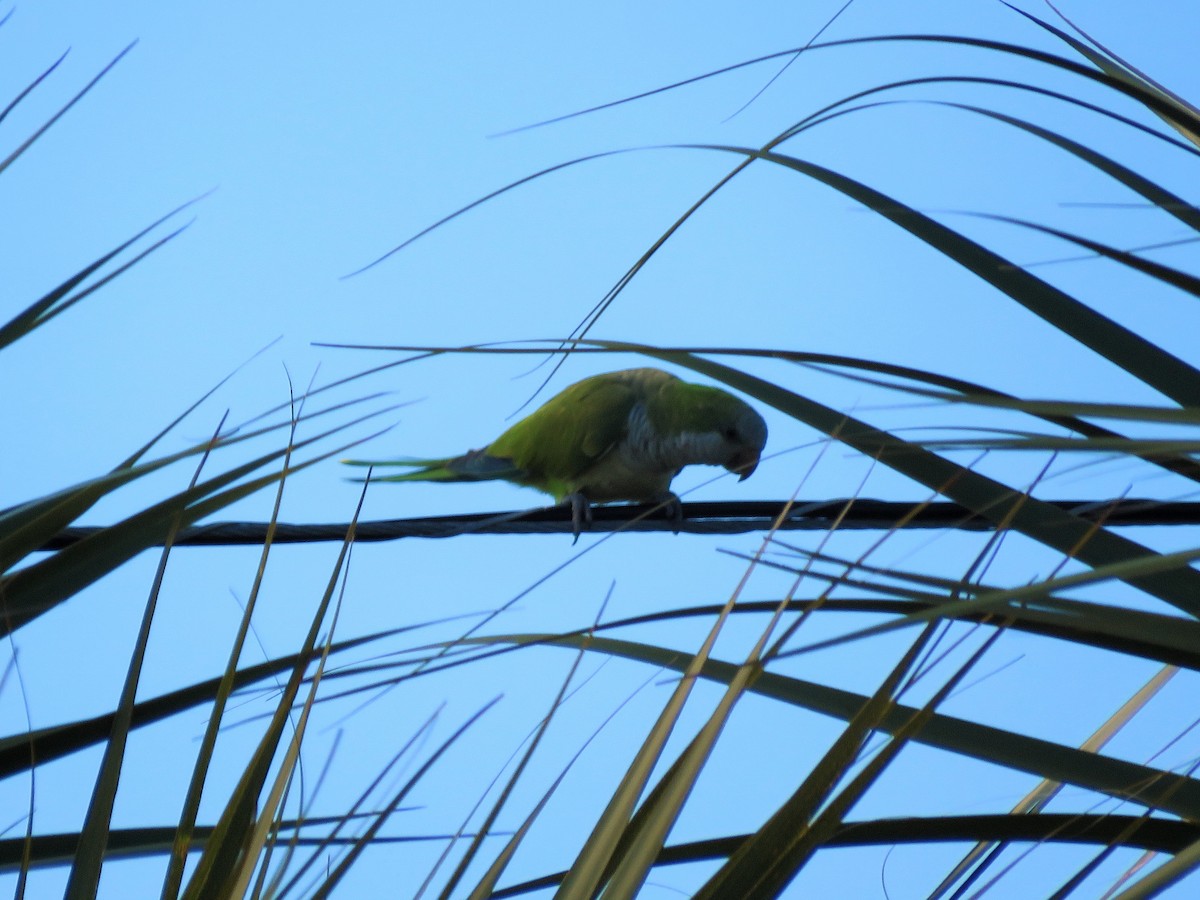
(581, 513)
(672, 508)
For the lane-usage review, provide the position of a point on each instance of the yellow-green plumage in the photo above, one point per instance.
(618, 436)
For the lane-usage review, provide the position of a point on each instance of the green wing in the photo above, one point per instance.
(558, 443)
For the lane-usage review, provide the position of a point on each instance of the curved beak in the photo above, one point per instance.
(744, 464)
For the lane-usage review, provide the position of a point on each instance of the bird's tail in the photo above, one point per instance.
(475, 465)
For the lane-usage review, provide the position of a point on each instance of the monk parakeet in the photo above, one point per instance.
(618, 436)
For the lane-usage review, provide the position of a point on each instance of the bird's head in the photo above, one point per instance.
(744, 434)
(716, 428)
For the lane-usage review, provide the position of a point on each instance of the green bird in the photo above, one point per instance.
(618, 436)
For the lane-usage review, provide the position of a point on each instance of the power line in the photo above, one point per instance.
(698, 518)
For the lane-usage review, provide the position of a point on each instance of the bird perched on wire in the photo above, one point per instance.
(618, 436)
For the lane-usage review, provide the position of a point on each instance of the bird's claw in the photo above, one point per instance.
(581, 514)
(672, 508)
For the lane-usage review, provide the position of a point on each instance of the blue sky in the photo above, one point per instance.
(329, 136)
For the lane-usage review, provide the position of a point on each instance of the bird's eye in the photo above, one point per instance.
(730, 433)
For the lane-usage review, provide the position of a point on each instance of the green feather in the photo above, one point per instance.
(559, 442)
(580, 441)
